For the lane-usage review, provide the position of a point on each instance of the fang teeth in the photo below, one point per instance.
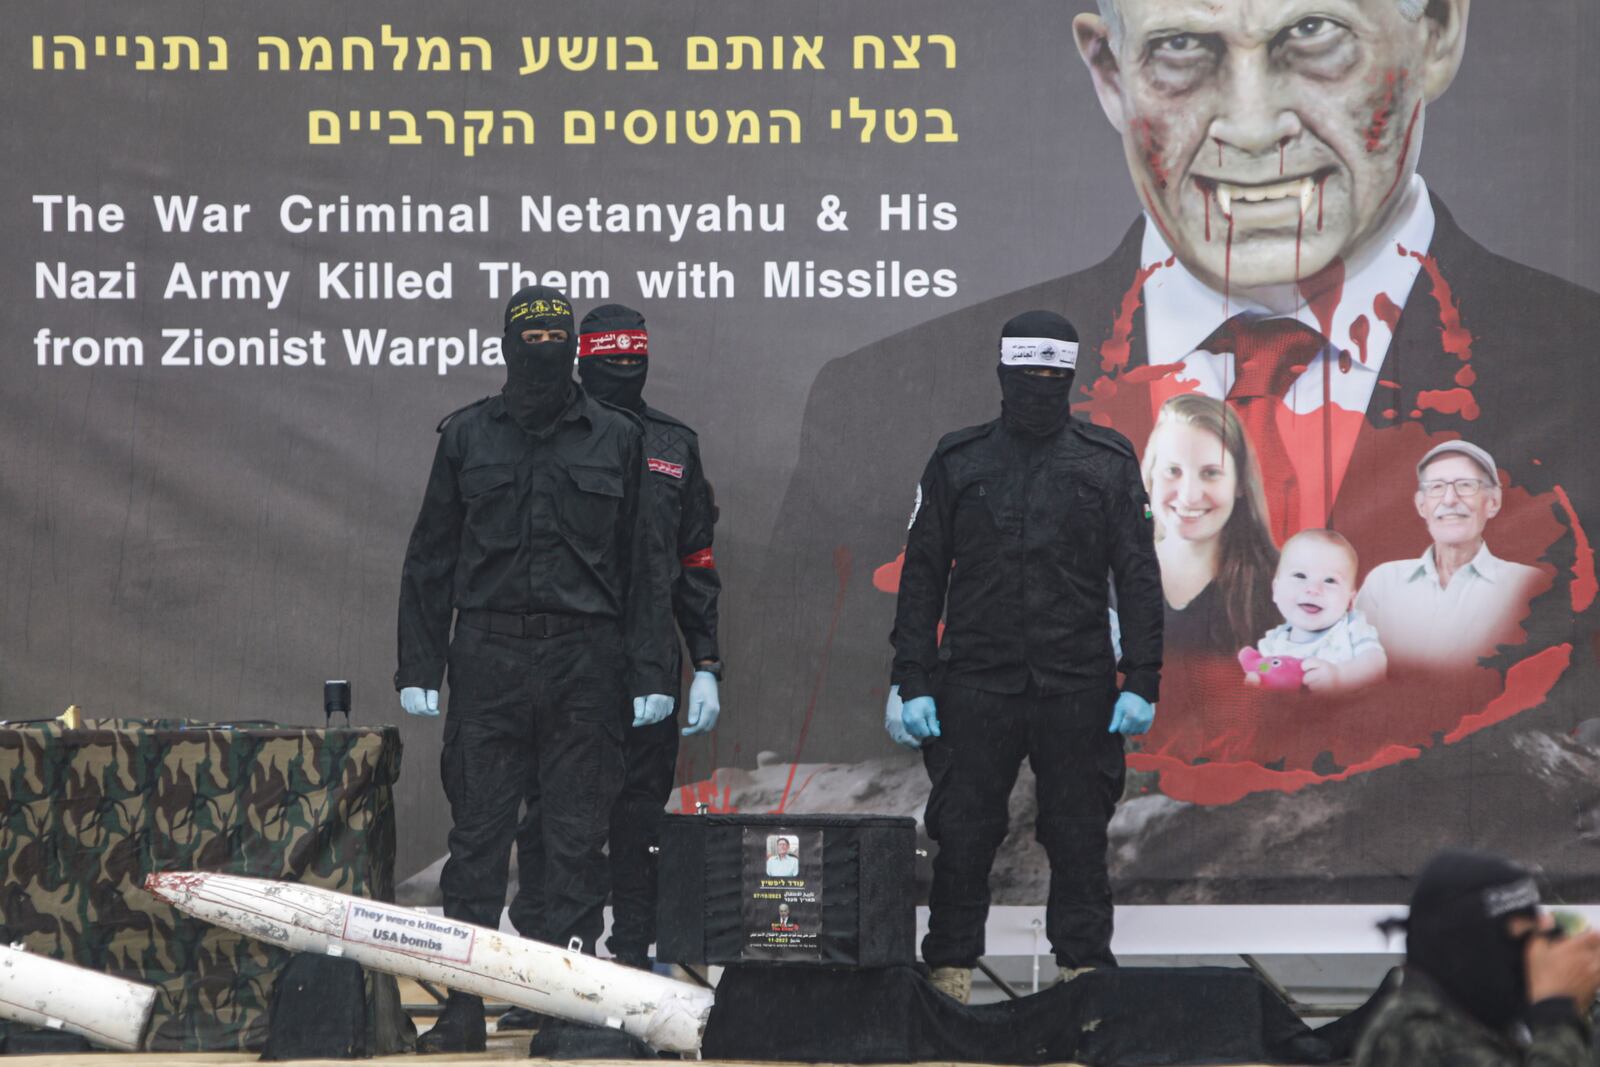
(1299, 188)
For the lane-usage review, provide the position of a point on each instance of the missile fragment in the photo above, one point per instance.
(665, 1013)
(40, 991)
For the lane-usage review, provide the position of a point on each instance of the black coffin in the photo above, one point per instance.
(806, 889)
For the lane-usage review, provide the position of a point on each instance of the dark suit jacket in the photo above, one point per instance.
(874, 416)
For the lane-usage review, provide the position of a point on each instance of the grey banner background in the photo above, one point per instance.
(215, 542)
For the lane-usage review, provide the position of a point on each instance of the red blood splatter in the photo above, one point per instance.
(1323, 291)
(1383, 113)
(1150, 145)
(1224, 783)
(1527, 684)
(1454, 337)
(842, 561)
(1537, 462)
(1387, 384)
(886, 579)
(1227, 274)
(1450, 401)
(1405, 153)
(1299, 232)
(1387, 310)
(1345, 363)
(1390, 413)
(1359, 331)
(1114, 352)
(1466, 375)
(1583, 577)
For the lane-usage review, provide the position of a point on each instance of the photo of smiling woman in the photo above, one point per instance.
(1217, 556)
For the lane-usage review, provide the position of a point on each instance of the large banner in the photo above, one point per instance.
(255, 253)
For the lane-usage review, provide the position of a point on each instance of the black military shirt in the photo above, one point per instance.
(1011, 540)
(678, 512)
(520, 524)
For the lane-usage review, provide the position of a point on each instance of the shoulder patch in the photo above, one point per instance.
(617, 409)
(444, 421)
(960, 437)
(1106, 437)
(662, 416)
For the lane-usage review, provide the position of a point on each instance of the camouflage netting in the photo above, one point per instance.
(85, 814)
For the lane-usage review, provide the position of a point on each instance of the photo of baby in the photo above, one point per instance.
(1314, 588)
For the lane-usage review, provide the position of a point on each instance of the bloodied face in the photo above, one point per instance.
(1268, 137)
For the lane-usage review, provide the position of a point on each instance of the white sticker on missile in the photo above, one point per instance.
(406, 931)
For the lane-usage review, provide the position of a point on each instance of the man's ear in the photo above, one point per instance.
(1094, 45)
(1446, 25)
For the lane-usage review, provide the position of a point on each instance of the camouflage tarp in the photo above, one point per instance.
(85, 814)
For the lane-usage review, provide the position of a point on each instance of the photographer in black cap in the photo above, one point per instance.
(1488, 980)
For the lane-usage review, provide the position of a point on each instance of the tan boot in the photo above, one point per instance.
(1069, 973)
(953, 982)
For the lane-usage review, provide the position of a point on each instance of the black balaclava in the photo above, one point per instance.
(607, 332)
(538, 376)
(1035, 405)
(1456, 932)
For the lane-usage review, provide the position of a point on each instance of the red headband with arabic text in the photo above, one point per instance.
(614, 343)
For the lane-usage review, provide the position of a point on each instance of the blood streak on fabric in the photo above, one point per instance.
(1387, 310)
(1360, 329)
(1115, 352)
(1405, 153)
(842, 561)
(1450, 402)
(1455, 338)
(1584, 585)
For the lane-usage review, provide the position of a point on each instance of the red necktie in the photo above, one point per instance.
(1268, 355)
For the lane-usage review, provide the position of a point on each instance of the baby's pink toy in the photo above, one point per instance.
(1275, 672)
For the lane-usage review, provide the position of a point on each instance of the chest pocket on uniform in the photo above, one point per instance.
(979, 515)
(1086, 520)
(589, 514)
(490, 496)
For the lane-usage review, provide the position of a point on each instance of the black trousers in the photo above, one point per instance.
(651, 759)
(973, 766)
(545, 709)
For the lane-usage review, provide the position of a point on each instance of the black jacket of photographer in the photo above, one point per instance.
(1012, 539)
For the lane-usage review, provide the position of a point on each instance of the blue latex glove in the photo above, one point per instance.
(704, 704)
(1132, 715)
(647, 711)
(920, 718)
(894, 722)
(418, 701)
